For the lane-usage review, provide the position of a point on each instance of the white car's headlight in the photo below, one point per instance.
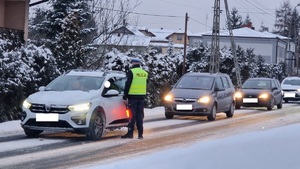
(298, 90)
(204, 99)
(83, 107)
(26, 104)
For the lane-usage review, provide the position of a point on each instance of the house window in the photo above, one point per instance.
(179, 37)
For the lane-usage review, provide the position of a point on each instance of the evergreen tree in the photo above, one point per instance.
(68, 29)
(198, 59)
(283, 19)
(262, 67)
(235, 19)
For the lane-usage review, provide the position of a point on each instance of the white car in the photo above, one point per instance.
(86, 102)
(291, 89)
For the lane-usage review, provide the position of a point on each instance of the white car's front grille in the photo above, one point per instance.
(42, 108)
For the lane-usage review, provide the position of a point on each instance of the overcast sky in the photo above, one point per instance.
(170, 14)
(201, 13)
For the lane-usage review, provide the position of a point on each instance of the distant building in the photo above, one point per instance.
(141, 38)
(14, 19)
(273, 48)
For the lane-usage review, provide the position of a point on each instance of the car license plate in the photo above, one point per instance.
(289, 95)
(250, 100)
(184, 107)
(50, 117)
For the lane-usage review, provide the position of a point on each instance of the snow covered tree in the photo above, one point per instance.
(67, 29)
(22, 71)
(162, 74)
(198, 59)
(262, 67)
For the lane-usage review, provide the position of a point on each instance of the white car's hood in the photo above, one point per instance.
(62, 98)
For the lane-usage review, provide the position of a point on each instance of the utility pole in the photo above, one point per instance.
(185, 39)
(233, 48)
(215, 43)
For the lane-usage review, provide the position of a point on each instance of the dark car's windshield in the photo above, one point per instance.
(72, 82)
(195, 82)
(292, 82)
(257, 84)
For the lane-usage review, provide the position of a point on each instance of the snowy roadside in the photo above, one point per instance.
(14, 127)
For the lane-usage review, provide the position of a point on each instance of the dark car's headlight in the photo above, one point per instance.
(264, 96)
(204, 99)
(168, 98)
(238, 95)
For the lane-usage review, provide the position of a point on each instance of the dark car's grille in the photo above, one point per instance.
(250, 96)
(184, 100)
(42, 108)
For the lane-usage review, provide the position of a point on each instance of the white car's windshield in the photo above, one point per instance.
(74, 82)
(195, 82)
(295, 82)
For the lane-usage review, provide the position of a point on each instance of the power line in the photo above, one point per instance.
(180, 4)
(259, 8)
(200, 23)
(138, 13)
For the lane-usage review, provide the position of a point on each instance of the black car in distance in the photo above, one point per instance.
(259, 92)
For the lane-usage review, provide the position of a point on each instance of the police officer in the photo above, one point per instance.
(134, 97)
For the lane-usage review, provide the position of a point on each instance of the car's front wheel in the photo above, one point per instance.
(169, 115)
(230, 112)
(271, 104)
(237, 106)
(97, 126)
(279, 106)
(32, 133)
(213, 113)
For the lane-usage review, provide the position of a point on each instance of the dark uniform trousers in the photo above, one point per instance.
(136, 107)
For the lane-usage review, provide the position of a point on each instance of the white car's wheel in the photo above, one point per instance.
(32, 133)
(97, 126)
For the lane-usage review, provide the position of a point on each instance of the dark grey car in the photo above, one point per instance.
(200, 94)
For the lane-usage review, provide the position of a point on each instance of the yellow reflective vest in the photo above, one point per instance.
(139, 82)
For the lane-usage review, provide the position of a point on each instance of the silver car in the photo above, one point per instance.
(291, 89)
(200, 94)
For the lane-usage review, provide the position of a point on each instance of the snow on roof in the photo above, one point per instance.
(247, 32)
(127, 40)
(167, 45)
